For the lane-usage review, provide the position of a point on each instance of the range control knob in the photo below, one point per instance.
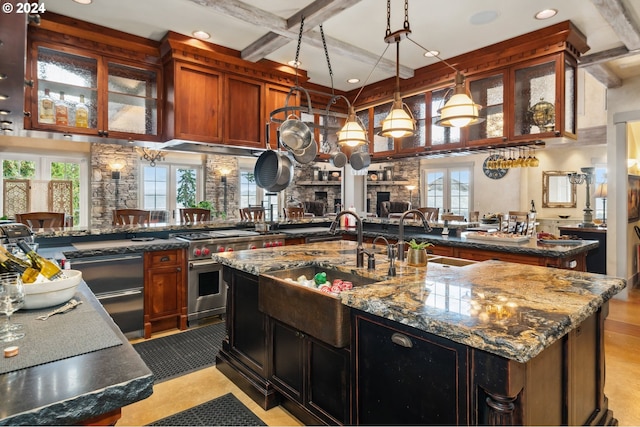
(268, 244)
(197, 252)
(279, 243)
(229, 249)
(220, 248)
(206, 251)
(252, 247)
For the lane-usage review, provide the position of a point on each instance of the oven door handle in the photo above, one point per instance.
(201, 263)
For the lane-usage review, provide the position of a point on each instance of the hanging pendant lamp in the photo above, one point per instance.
(459, 110)
(399, 122)
(352, 133)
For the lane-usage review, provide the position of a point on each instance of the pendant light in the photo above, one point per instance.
(352, 133)
(459, 110)
(399, 122)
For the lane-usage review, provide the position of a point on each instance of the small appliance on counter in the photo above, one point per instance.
(11, 232)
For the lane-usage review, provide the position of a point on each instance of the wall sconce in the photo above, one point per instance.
(150, 155)
(116, 166)
(581, 178)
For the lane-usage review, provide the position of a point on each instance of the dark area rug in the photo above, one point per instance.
(226, 410)
(181, 353)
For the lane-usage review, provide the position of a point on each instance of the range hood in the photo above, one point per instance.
(206, 148)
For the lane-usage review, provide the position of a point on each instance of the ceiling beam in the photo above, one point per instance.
(604, 75)
(278, 25)
(595, 64)
(620, 20)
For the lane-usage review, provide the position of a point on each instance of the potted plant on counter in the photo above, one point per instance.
(417, 254)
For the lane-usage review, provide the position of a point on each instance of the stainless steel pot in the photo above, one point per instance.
(286, 173)
(308, 154)
(295, 134)
(338, 159)
(360, 160)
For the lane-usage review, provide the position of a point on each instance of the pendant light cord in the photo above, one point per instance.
(326, 54)
(296, 62)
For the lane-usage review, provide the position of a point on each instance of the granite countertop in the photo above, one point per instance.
(77, 388)
(513, 310)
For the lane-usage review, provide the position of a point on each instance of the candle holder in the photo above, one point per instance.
(586, 177)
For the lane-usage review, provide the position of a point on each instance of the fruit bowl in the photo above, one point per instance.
(49, 294)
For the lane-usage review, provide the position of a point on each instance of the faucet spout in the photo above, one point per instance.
(386, 242)
(425, 224)
(360, 247)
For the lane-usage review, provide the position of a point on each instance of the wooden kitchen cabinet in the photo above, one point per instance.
(194, 102)
(121, 97)
(311, 373)
(407, 377)
(165, 294)
(245, 112)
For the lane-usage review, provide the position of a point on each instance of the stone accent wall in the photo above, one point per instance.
(214, 187)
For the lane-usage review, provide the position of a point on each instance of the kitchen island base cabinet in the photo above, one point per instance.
(243, 357)
(407, 376)
(314, 375)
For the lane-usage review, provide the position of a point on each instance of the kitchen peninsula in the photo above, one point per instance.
(505, 343)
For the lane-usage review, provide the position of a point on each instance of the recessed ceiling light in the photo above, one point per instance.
(83, 1)
(295, 63)
(546, 14)
(432, 53)
(3, 96)
(353, 81)
(202, 35)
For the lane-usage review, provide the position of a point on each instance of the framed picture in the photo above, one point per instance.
(633, 198)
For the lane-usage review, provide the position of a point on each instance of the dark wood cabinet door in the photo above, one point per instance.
(195, 104)
(244, 109)
(407, 378)
(329, 383)
(247, 331)
(287, 361)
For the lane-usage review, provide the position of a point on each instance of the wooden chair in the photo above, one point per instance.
(431, 214)
(254, 213)
(451, 217)
(474, 216)
(131, 217)
(37, 220)
(194, 215)
(293, 213)
(388, 207)
(516, 222)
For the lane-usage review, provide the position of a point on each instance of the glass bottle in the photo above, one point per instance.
(12, 263)
(48, 269)
(47, 109)
(82, 114)
(62, 111)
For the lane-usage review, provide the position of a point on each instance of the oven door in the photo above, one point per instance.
(207, 291)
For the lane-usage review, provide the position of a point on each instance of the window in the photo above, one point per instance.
(168, 187)
(252, 195)
(449, 189)
(600, 178)
(41, 170)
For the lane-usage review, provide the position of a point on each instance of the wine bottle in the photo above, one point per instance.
(62, 111)
(48, 269)
(82, 114)
(10, 262)
(47, 109)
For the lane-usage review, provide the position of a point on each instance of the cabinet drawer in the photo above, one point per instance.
(164, 258)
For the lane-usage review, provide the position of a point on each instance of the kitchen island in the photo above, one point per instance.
(86, 388)
(486, 343)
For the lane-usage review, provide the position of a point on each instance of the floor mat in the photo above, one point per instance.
(226, 410)
(181, 353)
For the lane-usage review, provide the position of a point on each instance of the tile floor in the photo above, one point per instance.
(622, 387)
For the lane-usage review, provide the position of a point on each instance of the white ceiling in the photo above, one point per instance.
(443, 26)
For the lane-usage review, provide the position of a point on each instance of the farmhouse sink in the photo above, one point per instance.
(309, 310)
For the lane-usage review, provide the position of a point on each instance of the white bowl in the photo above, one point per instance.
(55, 292)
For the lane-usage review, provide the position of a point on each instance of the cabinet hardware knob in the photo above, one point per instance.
(164, 259)
(401, 340)
(179, 269)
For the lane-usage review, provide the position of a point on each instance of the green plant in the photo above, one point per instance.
(422, 245)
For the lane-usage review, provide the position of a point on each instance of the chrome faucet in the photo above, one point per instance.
(359, 248)
(425, 224)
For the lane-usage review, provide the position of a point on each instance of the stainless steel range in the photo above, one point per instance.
(206, 289)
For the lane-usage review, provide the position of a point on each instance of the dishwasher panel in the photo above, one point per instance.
(118, 283)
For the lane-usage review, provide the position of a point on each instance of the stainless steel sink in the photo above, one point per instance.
(316, 313)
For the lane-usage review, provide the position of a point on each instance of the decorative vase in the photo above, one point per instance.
(417, 257)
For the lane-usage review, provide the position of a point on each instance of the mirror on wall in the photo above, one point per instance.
(557, 190)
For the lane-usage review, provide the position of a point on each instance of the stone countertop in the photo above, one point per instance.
(115, 247)
(78, 388)
(512, 310)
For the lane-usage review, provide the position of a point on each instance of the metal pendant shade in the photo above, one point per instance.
(352, 133)
(399, 123)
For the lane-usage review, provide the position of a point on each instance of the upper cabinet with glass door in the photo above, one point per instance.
(489, 93)
(69, 95)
